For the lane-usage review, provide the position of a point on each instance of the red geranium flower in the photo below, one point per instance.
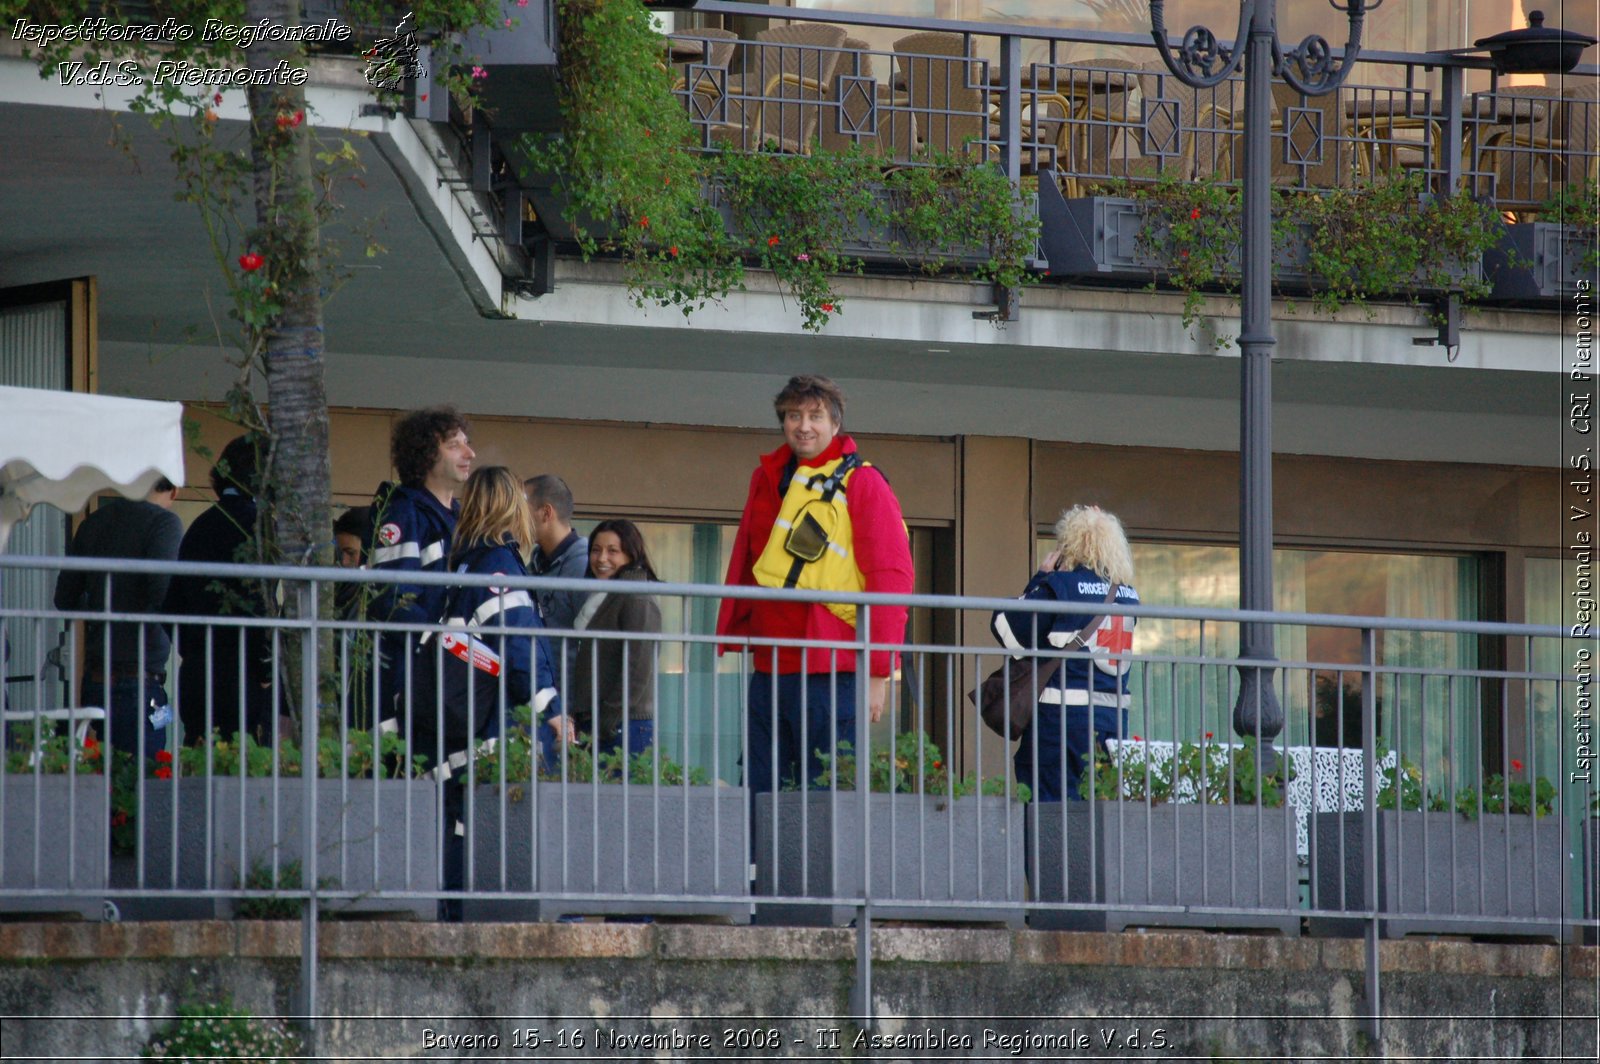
(1516, 766)
(249, 263)
(163, 772)
(673, 251)
(772, 241)
(827, 308)
(1208, 735)
(216, 98)
(1194, 214)
(163, 757)
(299, 116)
(1137, 739)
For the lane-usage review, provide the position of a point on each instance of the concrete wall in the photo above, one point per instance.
(96, 991)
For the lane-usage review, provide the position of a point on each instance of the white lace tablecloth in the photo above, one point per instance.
(1325, 778)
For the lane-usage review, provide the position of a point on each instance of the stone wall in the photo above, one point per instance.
(633, 992)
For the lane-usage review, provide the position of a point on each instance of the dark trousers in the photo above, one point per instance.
(1058, 776)
(808, 715)
(128, 702)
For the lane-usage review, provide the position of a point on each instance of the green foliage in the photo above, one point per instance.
(954, 202)
(221, 1032)
(796, 212)
(1209, 773)
(1400, 787)
(1385, 238)
(916, 767)
(1389, 237)
(1537, 797)
(627, 163)
(1578, 206)
(1193, 230)
(513, 757)
(56, 755)
(289, 877)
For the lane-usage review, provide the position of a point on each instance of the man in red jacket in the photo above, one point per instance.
(818, 517)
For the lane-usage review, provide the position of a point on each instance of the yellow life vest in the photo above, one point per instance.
(810, 546)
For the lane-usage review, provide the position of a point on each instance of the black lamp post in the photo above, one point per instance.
(1201, 62)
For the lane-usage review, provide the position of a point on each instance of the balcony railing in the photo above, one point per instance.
(1094, 112)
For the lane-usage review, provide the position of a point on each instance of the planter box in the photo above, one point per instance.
(63, 817)
(924, 849)
(1102, 238)
(1120, 854)
(664, 845)
(1539, 261)
(1494, 870)
(370, 838)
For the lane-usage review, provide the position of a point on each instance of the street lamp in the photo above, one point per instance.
(1310, 68)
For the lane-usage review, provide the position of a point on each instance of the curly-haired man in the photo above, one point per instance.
(413, 523)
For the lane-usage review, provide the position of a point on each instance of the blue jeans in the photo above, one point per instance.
(132, 700)
(810, 717)
(1053, 784)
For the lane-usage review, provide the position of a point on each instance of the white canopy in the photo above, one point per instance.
(62, 447)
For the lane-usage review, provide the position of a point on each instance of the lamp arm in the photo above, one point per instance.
(1308, 67)
(1196, 61)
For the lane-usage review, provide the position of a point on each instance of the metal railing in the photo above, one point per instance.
(1100, 109)
(1451, 723)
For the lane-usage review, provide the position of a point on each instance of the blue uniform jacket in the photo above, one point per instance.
(1106, 668)
(411, 533)
(467, 665)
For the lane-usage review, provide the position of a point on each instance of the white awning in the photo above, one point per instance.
(62, 447)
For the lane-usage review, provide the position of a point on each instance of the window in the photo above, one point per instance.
(1321, 697)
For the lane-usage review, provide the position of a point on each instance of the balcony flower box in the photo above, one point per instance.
(1504, 873)
(372, 837)
(964, 856)
(56, 839)
(1193, 859)
(1541, 261)
(677, 850)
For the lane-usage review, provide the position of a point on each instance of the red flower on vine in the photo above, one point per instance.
(1194, 214)
(772, 241)
(1516, 766)
(216, 97)
(827, 308)
(1208, 735)
(297, 118)
(673, 251)
(249, 263)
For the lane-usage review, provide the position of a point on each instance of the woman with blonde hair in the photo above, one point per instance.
(1087, 698)
(485, 672)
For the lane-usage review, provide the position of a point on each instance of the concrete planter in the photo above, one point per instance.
(1494, 870)
(200, 834)
(671, 847)
(1123, 854)
(1539, 261)
(56, 839)
(923, 849)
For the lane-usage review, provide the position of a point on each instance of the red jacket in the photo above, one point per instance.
(882, 552)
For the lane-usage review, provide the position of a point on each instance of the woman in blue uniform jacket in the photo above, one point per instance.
(1088, 692)
(485, 672)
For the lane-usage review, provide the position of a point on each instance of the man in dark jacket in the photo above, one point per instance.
(415, 521)
(225, 678)
(133, 684)
(558, 551)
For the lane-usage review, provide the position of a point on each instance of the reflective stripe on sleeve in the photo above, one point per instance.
(385, 555)
(499, 604)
